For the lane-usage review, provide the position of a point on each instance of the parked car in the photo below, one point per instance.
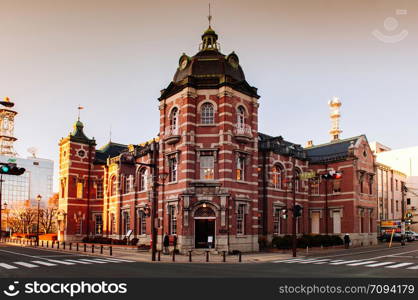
(412, 235)
(409, 236)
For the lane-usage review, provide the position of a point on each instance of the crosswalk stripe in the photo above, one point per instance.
(7, 266)
(106, 260)
(25, 264)
(380, 264)
(399, 265)
(40, 262)
(309, 261)
(293, 260)
(362, 263)
(78, 261)
(344, 262)
(413, 268)
(93, 260)
(61, 262)
(322, 261)
(119, 259)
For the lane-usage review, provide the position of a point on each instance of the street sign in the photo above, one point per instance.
(307, 175)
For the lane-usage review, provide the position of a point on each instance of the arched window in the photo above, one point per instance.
(207, 114)
(174, 115)
(298, 182)
(143, 176)
(113, 186)
(240, 117)
(277, 176)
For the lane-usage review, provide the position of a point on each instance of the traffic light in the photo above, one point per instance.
(11, 169)
(297, 210)
(409, 215)
(332, 175)
(284, 213)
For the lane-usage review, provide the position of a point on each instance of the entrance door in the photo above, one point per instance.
(204, 228)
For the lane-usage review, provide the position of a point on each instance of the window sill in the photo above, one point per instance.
(207, 125)
(172, 182)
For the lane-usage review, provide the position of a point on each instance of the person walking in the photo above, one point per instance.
(175, 243)
(347, 241)
(166, 243)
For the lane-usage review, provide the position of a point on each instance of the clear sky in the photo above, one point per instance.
(114, 56)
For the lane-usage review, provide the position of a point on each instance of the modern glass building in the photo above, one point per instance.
(37, 180)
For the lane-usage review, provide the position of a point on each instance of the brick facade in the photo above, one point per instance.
(220, 183)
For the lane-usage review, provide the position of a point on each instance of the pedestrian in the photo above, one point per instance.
(175, 243)
(166, 243)
(347, 241)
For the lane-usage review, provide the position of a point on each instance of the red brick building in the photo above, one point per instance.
(218, 181)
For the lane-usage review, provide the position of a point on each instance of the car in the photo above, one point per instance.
(412, 234)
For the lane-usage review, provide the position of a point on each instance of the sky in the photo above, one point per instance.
(114, 56)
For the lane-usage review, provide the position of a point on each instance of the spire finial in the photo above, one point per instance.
(209, 16)
(79, 110)
(110, 134)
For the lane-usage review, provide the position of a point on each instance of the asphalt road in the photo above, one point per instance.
(370, 262)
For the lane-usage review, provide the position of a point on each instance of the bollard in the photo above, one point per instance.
(240, 257)
(71, 244)
(101, 249)
(77, 247)
(63, 245)
(85, 247)
(207, 256)
(92, 248)
(47, 244)
(224, 256)
(52, 244)
(110, 250)
(307, 249)
(58, 244)
(159, 256)
(174, 255)
(42, 244)
(190, 255)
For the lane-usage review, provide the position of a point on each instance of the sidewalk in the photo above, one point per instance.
(132, 253)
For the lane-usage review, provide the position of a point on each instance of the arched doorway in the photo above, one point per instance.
(204, 227)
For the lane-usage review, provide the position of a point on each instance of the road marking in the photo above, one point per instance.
(119, 259)
(106, 260)
(307, 261)
(293, 260)
(7, 266)
(93, 260)
(78, 261)
(362, 263)
(413, 268)
(39, 262)
(61, 262)
(344, 262)
(399, 265)
(24, 264)
(380, 264)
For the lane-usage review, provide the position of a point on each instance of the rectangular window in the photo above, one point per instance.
(172, 219)
(112, 224)
(241, 219)
(142, 222)
(79, 227)
(207, 164)
(315, 218)
(79, 190)
(98, 224)
(126, 222)
(397, 205)
(361, 186)
(336, 218)
(99, 190)
(172, 166)
(396, 184)
(408, 201)
(276, 221)
(240, 168)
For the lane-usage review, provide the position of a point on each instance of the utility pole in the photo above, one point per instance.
(403, 214)
(326, 202)
(1, 189)
(294, 205)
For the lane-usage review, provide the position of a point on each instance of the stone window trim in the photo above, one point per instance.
(316, 210)
(339, 209)
(246, 202)
(204, 151)
(172, 202)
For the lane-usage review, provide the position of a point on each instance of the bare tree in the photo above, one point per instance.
(47, 220)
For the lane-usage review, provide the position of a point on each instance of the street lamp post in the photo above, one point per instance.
(7, 216)
(39, 197)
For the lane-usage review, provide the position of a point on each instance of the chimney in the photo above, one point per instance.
(309, 144)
